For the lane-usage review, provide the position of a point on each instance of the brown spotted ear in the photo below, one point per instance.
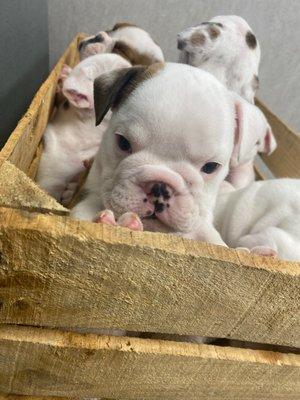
(113, 87)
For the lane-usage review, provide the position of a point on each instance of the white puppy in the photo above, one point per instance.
(253, 135)
(127, 40)
(161, 156)
(71, 137)
(226, 47)
(263, 217)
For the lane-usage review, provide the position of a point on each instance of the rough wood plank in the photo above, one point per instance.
(18, 191)
(60, 272)
(24, 397)
(45, 362)
(33, 168)
(22, 144)
(285, 161)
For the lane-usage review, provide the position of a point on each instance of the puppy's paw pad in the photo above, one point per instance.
(106, 217)
(264, 251)
(131, 221)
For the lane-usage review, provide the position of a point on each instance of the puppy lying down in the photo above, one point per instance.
(125, 39)
(160, 158)
(264, 217)
(71, 137)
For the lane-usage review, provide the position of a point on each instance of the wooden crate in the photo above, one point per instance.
(58, 274)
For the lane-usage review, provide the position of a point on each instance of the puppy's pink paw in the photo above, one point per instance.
(264, 251)
(131, 221)
(243, 249)
(106, 217)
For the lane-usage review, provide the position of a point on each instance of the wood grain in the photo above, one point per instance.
(60, 272)
(46, 362)
(18, 191)
(285, 161)
(22, 144)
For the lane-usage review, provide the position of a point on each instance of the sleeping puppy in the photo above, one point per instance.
(71, 137)
(160, 163)
(263, 217)
(227, 48)
(129, 41)
(253, 135)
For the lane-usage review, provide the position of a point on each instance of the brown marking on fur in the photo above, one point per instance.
(213, 31)
(120, 25)
(66, 105)
(197, 39)
(251, 40)
(114, 88)
(255, 83)
(132, 55)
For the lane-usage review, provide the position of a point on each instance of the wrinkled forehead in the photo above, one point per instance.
(183, 107)
(232, 21)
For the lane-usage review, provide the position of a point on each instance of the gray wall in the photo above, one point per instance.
(24, 58)
(275, 22)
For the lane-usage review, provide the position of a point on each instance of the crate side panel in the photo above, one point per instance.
(60, 272)
(285, 161)
(18, 191)
(47, 362)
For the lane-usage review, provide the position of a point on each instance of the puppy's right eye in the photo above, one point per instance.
(123, 143)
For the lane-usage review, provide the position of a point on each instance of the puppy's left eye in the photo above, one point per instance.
(210, 167)
(123, 143)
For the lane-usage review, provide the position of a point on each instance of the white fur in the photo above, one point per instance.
(227, 57)
(263, 217)
(71, 137)
(170, 119)
(140, 40)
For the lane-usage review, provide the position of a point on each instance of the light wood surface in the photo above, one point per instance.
(18, 191)
(285, 161)
(46, 362)
(61, 272)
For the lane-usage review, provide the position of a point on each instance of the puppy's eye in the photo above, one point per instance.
(123, 143)
(210, 167)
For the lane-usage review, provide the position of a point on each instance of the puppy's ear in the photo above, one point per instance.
(252, 134)
(112, 88)
(64, 73)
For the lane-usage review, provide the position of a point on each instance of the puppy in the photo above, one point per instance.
(253, 135)
(263, 217)
(160, 158)
(129, 41)
(96, 44)
(71, 137)
(227, 48)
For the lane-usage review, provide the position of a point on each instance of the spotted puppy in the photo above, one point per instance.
(129, 41)
(160, 158)
(227, 48)
(71, 136)
(264, 217)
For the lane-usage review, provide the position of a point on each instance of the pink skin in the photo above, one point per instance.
(128, 220)
(264, 251)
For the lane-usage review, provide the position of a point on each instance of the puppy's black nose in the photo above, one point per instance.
(160, 189)
(180, 44)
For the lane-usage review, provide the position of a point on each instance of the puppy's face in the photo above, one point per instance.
(221, 40)
(168, 145)
(96, 44)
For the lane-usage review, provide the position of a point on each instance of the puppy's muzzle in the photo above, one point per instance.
(181, 44)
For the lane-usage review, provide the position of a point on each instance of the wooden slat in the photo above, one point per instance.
(46, 362)
(18, 191)
(33, 168)
(65, 273)
(285, 161)
(24, 397)
(22, 144)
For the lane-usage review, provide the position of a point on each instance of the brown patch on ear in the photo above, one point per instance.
(111, 89)
(255, 83)
(214, 31)
(120, 25)
(131, 54)
(251, 40)
(197, 39)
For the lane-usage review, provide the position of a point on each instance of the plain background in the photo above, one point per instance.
(26, 26)
(24, 58)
